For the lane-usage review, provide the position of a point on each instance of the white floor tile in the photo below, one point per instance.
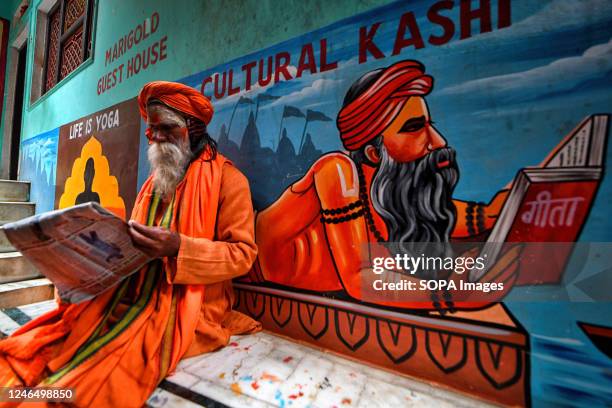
(267, 370)
(162, 398)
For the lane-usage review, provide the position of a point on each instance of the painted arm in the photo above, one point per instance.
(337, 187)
(475, 218)
(342, 213)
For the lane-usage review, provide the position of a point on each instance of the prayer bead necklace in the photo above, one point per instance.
(363, 194)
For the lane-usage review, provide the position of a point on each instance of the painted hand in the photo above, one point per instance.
(156, 242)
(497, 203)
(504, 271)
(506, 266)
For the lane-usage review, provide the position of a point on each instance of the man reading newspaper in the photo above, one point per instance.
(193, 216)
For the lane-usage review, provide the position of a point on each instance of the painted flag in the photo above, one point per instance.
(266, 97)
(291, 111)
(244, 99)
(315, 115)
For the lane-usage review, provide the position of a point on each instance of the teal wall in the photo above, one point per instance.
(200, 35)
(7, 10)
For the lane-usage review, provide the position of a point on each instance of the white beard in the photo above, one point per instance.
(168, 162)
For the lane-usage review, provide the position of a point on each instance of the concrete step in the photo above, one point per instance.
(14, 317)
(14, 268)
(5, 245)
(14, 210)
(22, 293)
(11, 190)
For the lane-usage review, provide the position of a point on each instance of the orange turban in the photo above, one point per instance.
(373, 111)
(177, 96)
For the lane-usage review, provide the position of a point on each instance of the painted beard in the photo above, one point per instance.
(168, 162)
(415, 201)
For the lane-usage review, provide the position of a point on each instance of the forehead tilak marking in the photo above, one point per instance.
(167, 115)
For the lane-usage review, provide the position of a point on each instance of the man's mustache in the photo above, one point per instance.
(439, 159)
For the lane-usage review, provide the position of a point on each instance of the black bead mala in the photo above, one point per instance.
(363, 195)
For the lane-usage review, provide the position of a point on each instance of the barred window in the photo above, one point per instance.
(68, 39)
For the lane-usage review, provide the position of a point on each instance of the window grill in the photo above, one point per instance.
(68, 39)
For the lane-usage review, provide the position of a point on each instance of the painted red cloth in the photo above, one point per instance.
(371, 112)
(178, 96)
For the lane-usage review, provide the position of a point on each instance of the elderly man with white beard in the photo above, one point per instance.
(193, 215)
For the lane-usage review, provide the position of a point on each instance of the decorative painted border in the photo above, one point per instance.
(488, 361)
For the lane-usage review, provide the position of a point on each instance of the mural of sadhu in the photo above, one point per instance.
(395, 184)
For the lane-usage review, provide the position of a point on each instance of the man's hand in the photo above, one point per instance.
(156, 242)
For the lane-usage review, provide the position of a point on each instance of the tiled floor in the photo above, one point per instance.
(264, 370)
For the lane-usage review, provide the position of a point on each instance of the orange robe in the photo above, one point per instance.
(115, 349)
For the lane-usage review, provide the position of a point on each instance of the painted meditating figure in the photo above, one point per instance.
(88, 194)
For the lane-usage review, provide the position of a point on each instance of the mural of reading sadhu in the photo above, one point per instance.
(394, 185)
(430, 122)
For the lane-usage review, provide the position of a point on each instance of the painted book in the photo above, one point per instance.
(550, 204)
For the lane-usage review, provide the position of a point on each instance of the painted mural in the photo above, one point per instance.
(96, 159)
(38, 163)
(430, 121)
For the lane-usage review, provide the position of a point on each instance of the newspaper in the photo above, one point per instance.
(84, 250)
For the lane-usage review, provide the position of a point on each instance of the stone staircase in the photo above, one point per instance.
(20, 283)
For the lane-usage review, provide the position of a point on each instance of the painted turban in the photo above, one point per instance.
(373, 111)
(177, 96)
